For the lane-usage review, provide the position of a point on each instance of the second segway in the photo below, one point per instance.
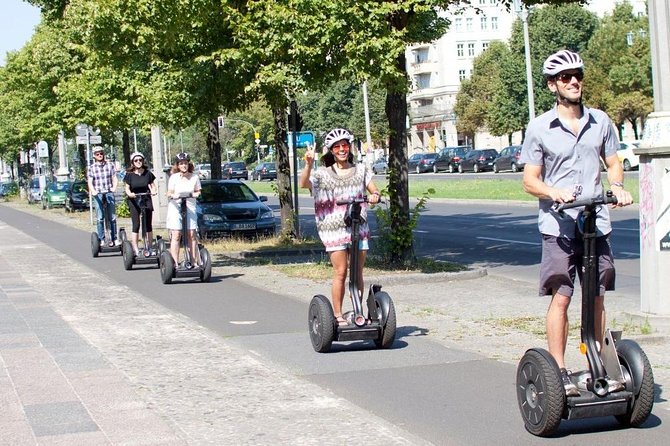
(200, 267)
(540, 393)
(380, 323)
(148, 254)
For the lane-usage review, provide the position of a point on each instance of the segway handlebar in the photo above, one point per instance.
(363, 199)
(609, 198)
(183, 195)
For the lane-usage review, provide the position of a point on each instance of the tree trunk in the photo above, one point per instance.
(126, 147)
(214, 147)
(283, 173)
(396, 113)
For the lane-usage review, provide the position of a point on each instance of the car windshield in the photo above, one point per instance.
(79, 187)
(226, 193)
(236, 165)
(430, 156)
(416, 156)
(59, 187)
(490, 152)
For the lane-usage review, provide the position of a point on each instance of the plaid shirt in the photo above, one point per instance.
(101, 174)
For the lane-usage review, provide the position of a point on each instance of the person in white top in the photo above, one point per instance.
(182, 181)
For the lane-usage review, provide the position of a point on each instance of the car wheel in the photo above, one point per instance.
(418, 170)
(435, 169)
(475, 168)
(460, 168)
(451, 168)
(626, 165)
(514, 168)
(495, 168)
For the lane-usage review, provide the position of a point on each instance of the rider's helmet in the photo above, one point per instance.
(182, 156)
(97, 149)
(561, 61)
(136, 155)
(337, 135)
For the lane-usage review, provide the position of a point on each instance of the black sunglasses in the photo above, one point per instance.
(567, 77)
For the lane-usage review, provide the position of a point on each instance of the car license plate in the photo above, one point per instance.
(243, 226)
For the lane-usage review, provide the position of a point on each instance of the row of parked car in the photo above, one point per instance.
(237, 170)
(464, 159)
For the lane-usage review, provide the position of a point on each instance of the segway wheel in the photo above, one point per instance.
(128, 254)
(539, 392)
(206, 260)
(161, 245)
(639, 379)
(384, 304)
(321, 324)
(167, 267)
(95, 244)
(122, 235)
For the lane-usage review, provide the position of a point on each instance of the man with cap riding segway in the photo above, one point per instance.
(102, 183)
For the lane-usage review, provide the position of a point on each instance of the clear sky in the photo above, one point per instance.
(18, 20)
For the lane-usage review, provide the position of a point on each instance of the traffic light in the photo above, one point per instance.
(294, 119)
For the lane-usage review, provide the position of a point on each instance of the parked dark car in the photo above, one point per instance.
(421, 162)
(8, 189)
(228, 208)
(508, 159)
(76, 197)
(235, 170)
(34, 191)
(54, 194)
(478, 160)
(264, 171)
(380, 166)
(449, 158)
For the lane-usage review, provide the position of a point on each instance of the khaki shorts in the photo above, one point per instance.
(562, 258)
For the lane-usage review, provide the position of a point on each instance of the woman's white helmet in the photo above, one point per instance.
(337, 135)
(135, 155)
(561, 61)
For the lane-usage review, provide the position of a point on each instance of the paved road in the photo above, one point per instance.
(424, 389)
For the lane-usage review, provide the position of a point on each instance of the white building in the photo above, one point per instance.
(436, 70)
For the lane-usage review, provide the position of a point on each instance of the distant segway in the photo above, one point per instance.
(540, 391)
(148, 254)
(380, 324)
(96, 249)
(187, 268)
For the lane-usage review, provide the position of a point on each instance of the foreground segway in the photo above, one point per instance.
(148, 254)
(540, 391)
(187, 268)
(379, 326)
(96, 249)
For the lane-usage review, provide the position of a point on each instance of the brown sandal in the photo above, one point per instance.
(340, 321)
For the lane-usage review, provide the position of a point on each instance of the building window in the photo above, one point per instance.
(494, 23)
(482, 2)
(422, 81)
(483, 22)
(458, 24)
(468, 24)
(492, 2)
(461, 75)
(485, 46)
(471, 49)
(459, 50)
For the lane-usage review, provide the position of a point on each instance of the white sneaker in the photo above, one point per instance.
(117, 242)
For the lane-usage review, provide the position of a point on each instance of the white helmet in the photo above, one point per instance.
(561, 61)
(135, 155)
(337, 135)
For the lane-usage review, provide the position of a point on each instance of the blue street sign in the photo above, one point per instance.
(303, 139)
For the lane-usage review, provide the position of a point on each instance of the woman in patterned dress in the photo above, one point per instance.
(339, 179)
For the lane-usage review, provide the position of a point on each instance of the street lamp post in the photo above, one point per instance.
(522, 12)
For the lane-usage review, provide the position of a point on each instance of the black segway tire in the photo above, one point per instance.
(540, 392)
(95, 244)
(122, 235)
(128, 255)
(383, 300)
(321, 324)
(206, 260)
(639, 379)
(167, 267)
(161, 245)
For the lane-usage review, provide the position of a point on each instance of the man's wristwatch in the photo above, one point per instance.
(617, 184)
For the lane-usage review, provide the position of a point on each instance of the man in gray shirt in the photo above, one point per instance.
(562, 151)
